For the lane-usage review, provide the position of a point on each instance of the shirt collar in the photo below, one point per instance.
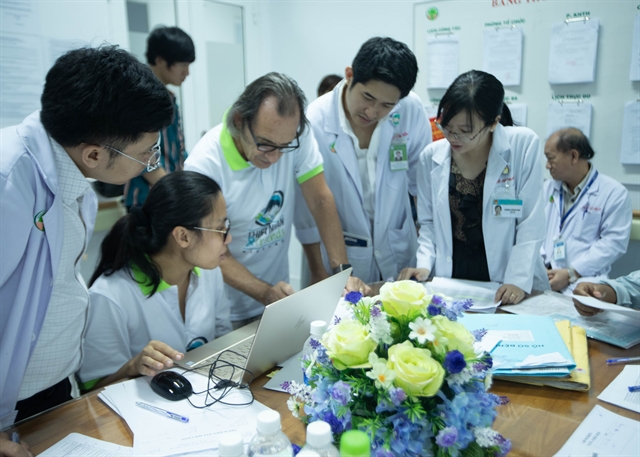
(229, 149)
(145, 284)
(579, 187)
(71, 182)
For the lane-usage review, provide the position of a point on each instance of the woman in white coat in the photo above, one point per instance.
(480, 204)
(157, 291)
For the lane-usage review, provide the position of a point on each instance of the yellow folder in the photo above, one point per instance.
(580, 378)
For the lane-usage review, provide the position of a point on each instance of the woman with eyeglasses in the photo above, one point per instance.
(479, 166)
(157, 292)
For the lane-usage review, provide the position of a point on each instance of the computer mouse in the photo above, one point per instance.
(171, 385)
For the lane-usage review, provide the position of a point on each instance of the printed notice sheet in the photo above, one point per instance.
(442, 60)
(617, 393)
(503, 54)
(630, 153)
(603, 433)
(572, 56)
(634, 70)
(77, 445)
(561, 115)
(518, 113)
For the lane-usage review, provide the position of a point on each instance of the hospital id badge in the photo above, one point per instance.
(398, 157)
(558, 249)
(507, 207)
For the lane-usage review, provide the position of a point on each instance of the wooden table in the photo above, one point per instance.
(538, 420)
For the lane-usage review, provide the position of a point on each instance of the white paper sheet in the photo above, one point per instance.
(595, 303)
(482, 293)
(77, 445)
(503, 54)
(519, 113)
(572, 53)
(442, 60)
(634, 69)
(630, 153)
(617, 393)
(561, 115)
(603, 433)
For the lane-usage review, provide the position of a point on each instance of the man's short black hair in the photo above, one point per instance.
(386, 60)
(103, 96)
(172, 44)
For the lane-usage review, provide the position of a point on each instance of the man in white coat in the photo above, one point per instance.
(370, 130)
(101, 114)
(588, 214)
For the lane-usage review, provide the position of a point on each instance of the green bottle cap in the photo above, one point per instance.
(355, 443)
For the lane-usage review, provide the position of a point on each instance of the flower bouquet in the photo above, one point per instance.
(406, 373)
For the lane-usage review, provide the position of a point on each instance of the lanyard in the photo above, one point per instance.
(582, 192)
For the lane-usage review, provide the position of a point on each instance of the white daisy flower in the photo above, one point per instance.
(422, 330)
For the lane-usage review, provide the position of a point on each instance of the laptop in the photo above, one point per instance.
(279, 334)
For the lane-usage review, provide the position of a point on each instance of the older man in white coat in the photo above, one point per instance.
(370, 130)
(588, 213)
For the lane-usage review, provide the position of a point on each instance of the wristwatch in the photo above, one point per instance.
(573, 276)
(341, 267)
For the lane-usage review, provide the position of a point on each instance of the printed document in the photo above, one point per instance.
(572, 53)
(442, 60)
(634, 70)
(595, 303)
(77, 445)
(503, 54)
(630, 154)
(617, 393)
(603, 433)
(481, 293)
(561, 115)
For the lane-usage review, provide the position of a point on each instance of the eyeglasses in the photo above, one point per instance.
(458, 136)
(225, 232)
(154, 160)
(270, 147)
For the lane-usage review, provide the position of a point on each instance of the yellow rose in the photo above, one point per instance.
(404, 299)
(416, 372)
(348, 345)
(456, 335)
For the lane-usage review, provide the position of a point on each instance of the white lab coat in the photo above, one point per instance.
(393, 239)
(512, 244)
(29, 256)
(596, 233)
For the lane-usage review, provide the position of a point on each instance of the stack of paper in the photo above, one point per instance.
(156, 435)
(617, 393)
(481, 293)
(579, 378)
(529, 346)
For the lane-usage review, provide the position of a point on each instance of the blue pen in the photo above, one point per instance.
(163, 412)
(15, 437)
(623, 360)
(634, 388)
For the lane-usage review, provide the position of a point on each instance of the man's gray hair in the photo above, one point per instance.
(572, 138)
(284, 88)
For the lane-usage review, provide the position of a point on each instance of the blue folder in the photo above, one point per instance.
(523, 336)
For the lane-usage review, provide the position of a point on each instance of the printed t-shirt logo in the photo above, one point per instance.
(271, 229)
(38, 220)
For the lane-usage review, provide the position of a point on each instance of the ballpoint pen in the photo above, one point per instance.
(634, 388)
(623, 360)
(163, 412)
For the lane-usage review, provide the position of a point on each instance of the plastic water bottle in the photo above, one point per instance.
(319, 440)
(231, 445)
(317, 329)
(355, 443)
(269, 439)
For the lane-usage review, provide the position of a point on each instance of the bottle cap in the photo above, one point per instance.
(231, 445)
(318, 434)
(355, 443)
(307, 453)
(318, 328)
(268, 422)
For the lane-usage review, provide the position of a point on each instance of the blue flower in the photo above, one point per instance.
(353, 297)
(336, 320)
(397, 395)
(455, 311)
(382, 452)
(375, 311)
(447, 437)
(433, 310)
(454, 362)
(341, 393)
(296, 448)
(479, 334)
(315, 344)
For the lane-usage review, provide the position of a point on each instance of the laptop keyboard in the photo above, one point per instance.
(236, 355)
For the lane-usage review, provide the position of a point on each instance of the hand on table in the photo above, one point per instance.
(602, 292)
(509, 294)
(420, 274)
(10, 449)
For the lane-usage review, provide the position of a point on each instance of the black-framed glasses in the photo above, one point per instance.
(266, 148)
(154, 159)
(225, 232)
(459, 136)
